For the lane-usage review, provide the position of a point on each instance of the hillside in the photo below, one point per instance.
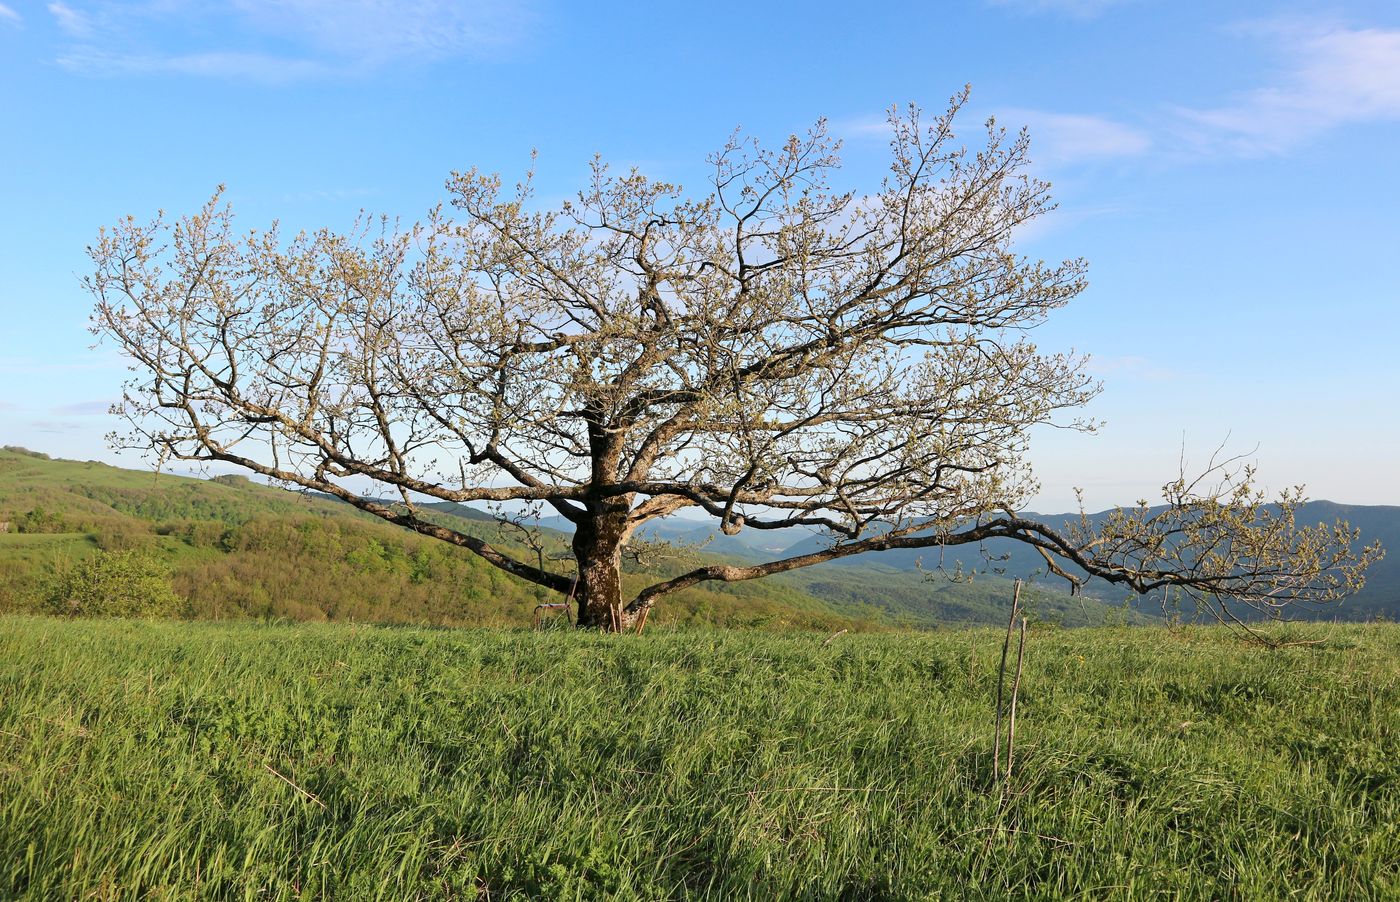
(240, 549)
(236, 549)
(1008, 559)
(889, 588)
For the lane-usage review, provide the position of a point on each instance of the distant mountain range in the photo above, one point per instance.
(1006, 559)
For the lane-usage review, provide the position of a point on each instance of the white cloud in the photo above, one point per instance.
(1077, 9)
(1072, 138)
(376, 30)
(1133, 367)
(1337, 77)
(9, 15)
(280, 40)
(249, 66)
(1055, 137)
(70, 21)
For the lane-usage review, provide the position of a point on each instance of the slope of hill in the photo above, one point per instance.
(236, 549)
(240, 549)
(894, 588)
(1380, 597)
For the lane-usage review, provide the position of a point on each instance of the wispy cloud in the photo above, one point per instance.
(1335, 76)
(70, 21)
(30, 366)
(83, 409)
(250, 66)
(1061, 137)
(1076, 9)
(334, 194)
(377, 31)
(280, 40)
(9, 15)
(51, 427)
(863, 127)
(1133, 367)
(1055, 137)
(1074, 137)
(1066, 218)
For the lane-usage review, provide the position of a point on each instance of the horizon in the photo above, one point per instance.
(1217, 170)
(554, 521)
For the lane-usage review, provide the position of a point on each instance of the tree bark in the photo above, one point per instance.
(597, 547)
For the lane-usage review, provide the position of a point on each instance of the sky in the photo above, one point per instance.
(1229, 170)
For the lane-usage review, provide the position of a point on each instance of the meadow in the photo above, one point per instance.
(154, 760)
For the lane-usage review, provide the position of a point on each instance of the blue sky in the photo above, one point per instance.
(1229, 170)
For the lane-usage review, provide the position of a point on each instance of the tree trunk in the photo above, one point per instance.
(598, 549)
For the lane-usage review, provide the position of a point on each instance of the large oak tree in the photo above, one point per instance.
(772, 352)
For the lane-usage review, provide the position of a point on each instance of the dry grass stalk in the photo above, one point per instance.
(1001, 677)
(1015, 689)
(272, 770)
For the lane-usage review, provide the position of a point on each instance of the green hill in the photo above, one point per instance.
(1005, 558)
(236, 549)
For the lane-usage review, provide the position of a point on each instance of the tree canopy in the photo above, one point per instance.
(775, 351)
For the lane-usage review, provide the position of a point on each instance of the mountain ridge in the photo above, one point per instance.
(84, 506)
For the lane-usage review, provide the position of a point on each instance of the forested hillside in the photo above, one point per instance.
(230, 548)
(1000, 557)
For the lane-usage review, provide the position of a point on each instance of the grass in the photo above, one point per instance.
(244, 761)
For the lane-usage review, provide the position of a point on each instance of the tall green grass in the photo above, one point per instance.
(176, 760)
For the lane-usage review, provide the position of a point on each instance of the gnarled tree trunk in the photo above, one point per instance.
(597, 546)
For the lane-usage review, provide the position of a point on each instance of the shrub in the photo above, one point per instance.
(16, 449)
(117, 536)
(115, 584)
(41, 521)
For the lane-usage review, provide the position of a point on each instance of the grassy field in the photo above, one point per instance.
(180, 760)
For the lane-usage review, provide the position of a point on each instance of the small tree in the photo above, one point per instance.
(114, 584)
(772, 353)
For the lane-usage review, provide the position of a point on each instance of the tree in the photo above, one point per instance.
(129, 583)
(776, 352)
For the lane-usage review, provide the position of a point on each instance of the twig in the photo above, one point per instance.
(642, 619)
(754, 792)
(272, 770)
(1015, 688)
(834, 636)
(1003, 828)
(1001, 678)
(547, 606)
